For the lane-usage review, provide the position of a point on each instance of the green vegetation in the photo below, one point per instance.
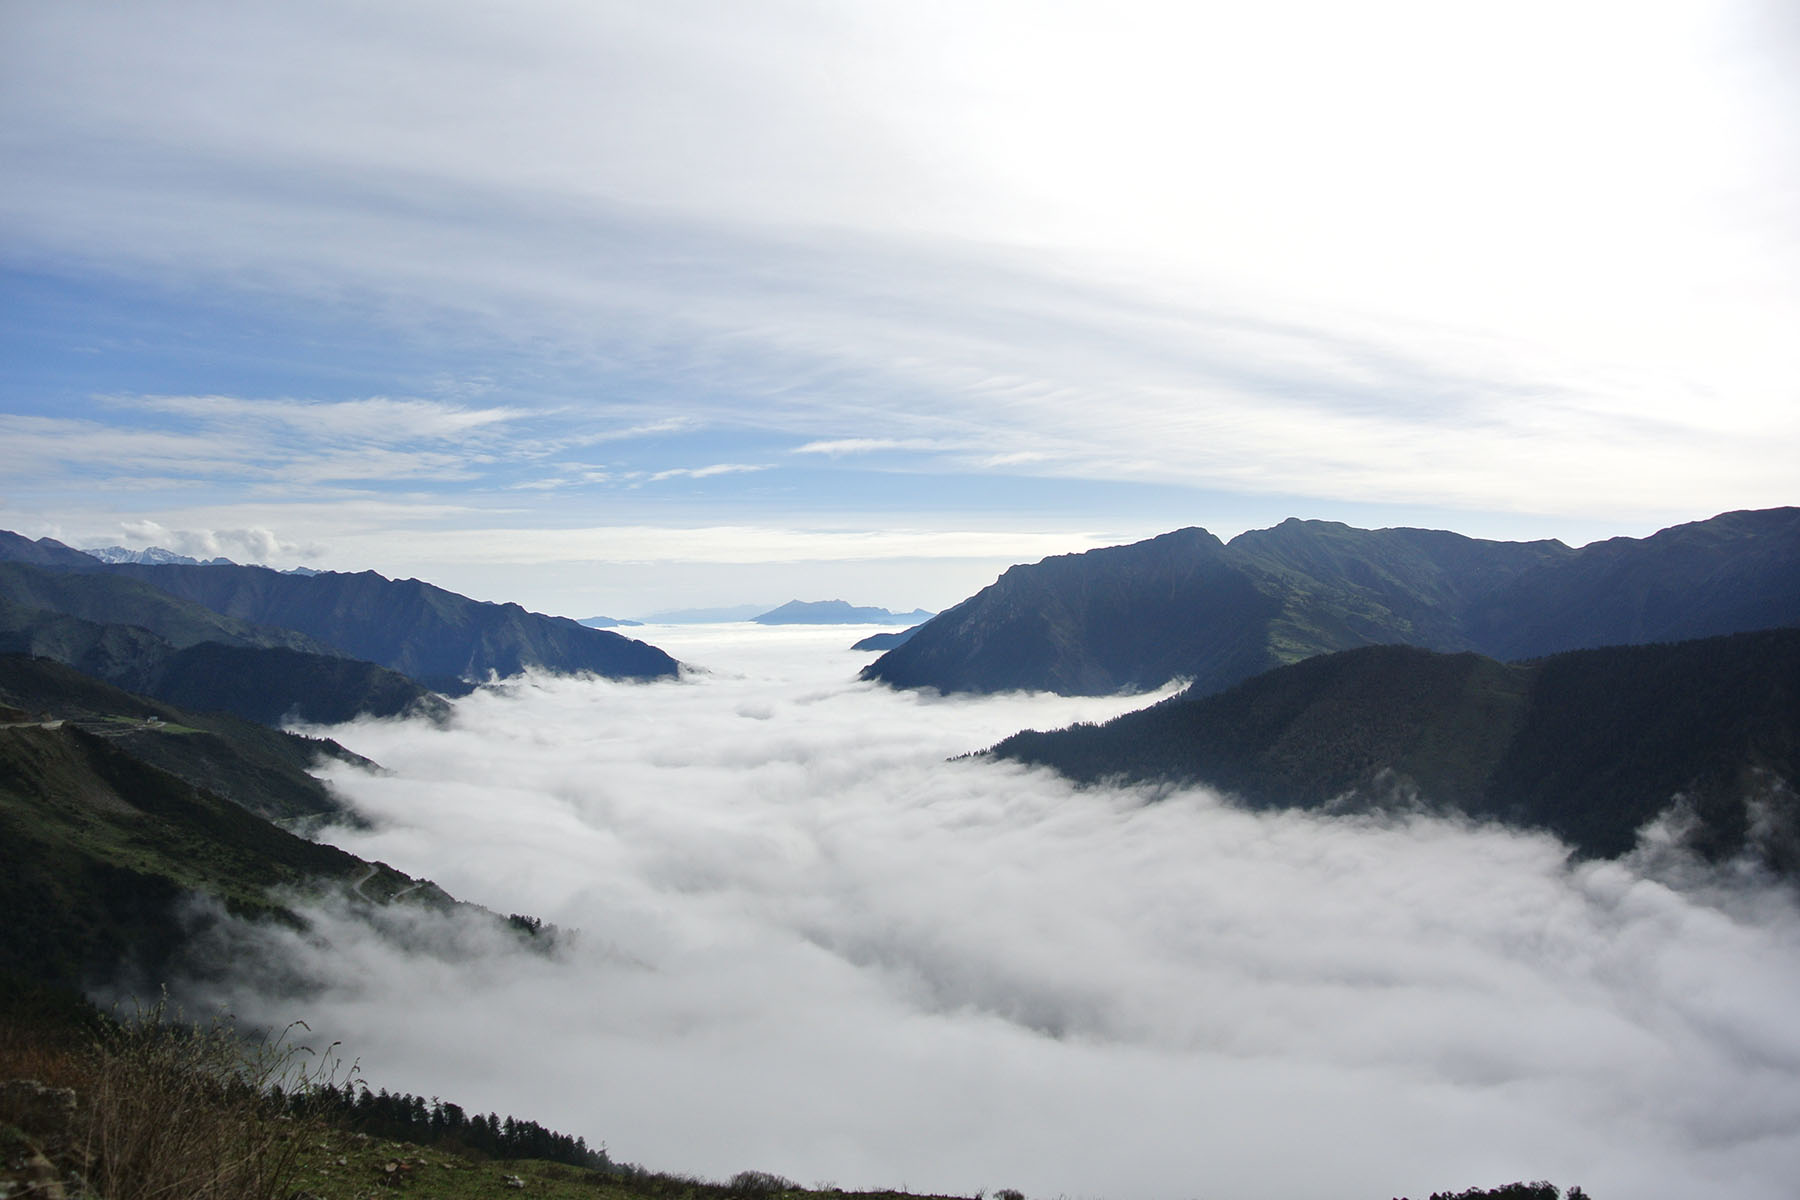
(1591, 744)
(103, 852)
(261, 769)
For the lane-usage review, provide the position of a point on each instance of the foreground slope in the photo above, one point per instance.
(1590, 744)
(1185, 605)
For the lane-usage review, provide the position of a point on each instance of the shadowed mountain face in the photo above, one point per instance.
(438, 637)
(44, 552)
(441, 639)
(1127, 617)
(142, 639)
(886, 641)
(1590, 744)
(1185, 605)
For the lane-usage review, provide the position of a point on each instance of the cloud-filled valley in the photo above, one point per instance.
(811, 943)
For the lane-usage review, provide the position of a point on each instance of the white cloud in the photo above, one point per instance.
(1277, 250)
(375, 418)
(811, 945)
(242, 545)
(706, 472)
(836, 447)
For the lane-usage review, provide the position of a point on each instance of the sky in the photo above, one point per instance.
(811, 943)
(612, 307)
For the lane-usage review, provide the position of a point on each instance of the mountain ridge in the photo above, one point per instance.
(1186, 605)
(836, 612)
(1590, 744)
(438, 638)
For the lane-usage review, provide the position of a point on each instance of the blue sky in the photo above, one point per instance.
(617, 307)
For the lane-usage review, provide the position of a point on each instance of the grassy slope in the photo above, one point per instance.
(262, 769)
(98, 849)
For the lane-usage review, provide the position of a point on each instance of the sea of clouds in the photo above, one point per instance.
(809, 943)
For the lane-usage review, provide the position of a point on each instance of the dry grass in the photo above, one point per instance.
(171, 1110)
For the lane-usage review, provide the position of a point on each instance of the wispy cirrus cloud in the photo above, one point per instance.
(375, 418)
(1566, 313)
(706, 472)
(840, 447)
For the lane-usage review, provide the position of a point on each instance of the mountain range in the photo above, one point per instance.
(836, 612)
(271, 646)
(1187, 606)
(1332, 668)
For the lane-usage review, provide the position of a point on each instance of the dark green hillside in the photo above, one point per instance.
(1613, 733)
(274, 685)
(98, 849)
(1591, 744)
(1342, 587)
(1322, 731)
(1738, 571)
(1183, 605)
(261, 769)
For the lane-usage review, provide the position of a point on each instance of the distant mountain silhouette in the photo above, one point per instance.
(439, 638)
(836, 612)
(1185, 605)
(44, 552)
(1590, 744)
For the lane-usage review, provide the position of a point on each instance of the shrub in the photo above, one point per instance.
(173, 1109)
(760, 1184)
